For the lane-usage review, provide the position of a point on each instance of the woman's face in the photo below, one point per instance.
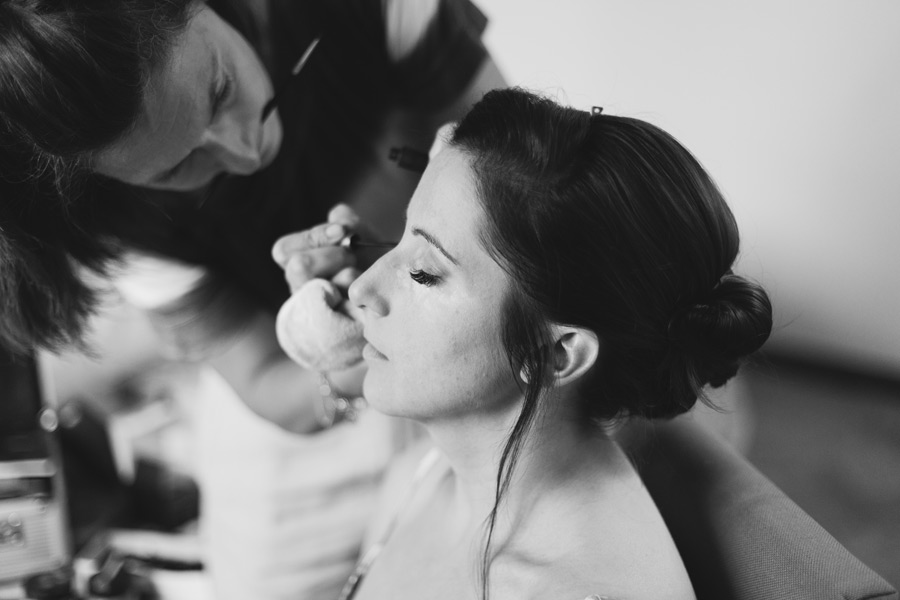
(201, 114)
(432, 308)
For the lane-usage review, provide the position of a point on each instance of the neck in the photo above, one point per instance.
(554, 446)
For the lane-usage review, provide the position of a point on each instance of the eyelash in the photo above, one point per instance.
(423, 278)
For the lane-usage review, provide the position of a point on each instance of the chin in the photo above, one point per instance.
(382, 398)
(374, 396)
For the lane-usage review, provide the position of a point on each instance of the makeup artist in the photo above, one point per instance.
(137, 147)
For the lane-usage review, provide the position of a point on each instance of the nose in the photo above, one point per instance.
(365, 292)
(235, 146)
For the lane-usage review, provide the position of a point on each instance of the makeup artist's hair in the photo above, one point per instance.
(609, 224)
(72, 77)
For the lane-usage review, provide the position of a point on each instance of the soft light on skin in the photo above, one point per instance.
(431, 309)
(181, 142)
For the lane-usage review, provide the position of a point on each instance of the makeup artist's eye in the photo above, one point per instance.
(222, 94)
(424, 278)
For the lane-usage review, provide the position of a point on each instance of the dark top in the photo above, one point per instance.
(330, 115)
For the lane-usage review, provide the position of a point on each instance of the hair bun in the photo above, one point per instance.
(729, 324)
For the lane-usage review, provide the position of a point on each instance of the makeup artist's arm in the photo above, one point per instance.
(256, 367)
(218, 326)
(269, 383)
(272, 385)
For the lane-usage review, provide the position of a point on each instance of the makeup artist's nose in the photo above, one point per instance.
(365, 294)
(235, 146)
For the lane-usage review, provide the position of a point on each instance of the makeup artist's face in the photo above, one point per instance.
(201, 113)
(432, 308)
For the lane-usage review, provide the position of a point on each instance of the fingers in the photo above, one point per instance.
(342, 221)
(314, 253)
(345, 277)
(326, 234)
(343, 215)
(316, 263)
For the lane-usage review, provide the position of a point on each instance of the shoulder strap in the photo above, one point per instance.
(426, 464)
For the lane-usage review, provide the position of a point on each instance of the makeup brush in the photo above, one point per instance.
(271, 104)
(353, 241)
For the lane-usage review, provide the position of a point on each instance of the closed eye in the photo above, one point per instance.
(222, 95)
(424, 278)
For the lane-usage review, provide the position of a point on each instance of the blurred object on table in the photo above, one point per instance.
(34, 534)
(128, 455)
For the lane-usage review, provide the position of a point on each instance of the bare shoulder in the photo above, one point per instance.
(587, 580)
(602, 536)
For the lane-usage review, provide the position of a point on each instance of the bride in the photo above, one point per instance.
(560, 271)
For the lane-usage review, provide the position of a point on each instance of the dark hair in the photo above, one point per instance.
(72, 78)
(609, 224)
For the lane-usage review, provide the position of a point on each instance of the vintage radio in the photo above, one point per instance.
(33, 518)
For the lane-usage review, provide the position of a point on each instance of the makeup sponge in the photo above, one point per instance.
(319, 329)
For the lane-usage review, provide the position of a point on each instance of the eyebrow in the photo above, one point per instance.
(431, 240)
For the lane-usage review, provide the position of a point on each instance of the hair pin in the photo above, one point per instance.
(597, 110)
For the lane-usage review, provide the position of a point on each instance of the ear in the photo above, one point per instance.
(575, 351)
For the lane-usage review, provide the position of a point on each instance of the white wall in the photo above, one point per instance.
(792, 105)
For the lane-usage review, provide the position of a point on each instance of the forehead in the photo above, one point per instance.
(446, 204)
(175, 102)
(446, 196)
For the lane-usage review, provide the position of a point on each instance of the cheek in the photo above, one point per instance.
(456, 358)
(424, 360)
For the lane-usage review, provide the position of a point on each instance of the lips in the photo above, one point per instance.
(370, 352)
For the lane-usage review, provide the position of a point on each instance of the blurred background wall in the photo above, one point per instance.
(793, 108)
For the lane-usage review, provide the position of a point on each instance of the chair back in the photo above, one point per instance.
(740, 537)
